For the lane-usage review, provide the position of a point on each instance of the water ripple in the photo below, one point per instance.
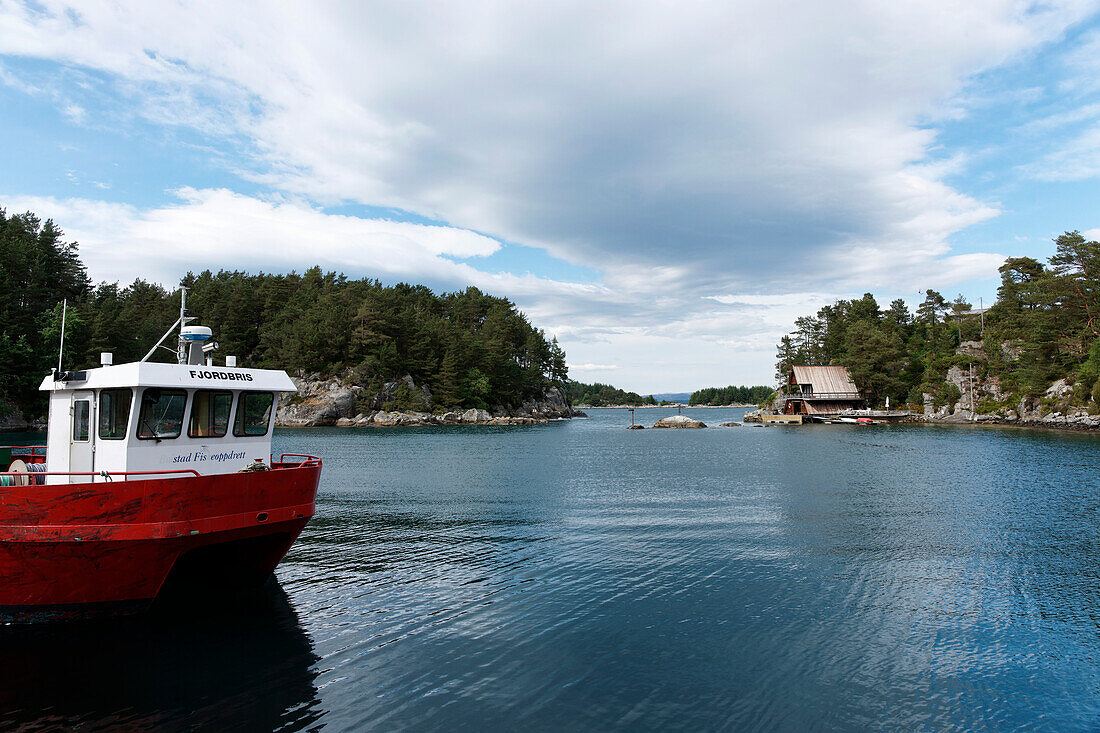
(578, 576)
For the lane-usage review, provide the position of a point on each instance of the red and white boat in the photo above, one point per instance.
(151, 472)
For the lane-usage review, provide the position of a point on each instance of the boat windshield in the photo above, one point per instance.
(209, 414)
(161, 413)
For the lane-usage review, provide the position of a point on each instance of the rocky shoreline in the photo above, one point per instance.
(1053, 421)
(340, 403)
(12, 420)
(984, 402)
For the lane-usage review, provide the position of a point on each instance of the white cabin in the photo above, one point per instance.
(148, 416)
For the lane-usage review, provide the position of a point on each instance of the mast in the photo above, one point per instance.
(181, 347)
(61, 350)
(181, 351)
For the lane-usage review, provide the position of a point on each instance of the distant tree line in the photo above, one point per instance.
(471, 349)
(602, 395)
(731, 395)
(1044, 325)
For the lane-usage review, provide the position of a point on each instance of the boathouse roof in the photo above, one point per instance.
(825, 379)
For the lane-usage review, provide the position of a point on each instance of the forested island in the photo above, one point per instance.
(1034, 354)
(604, 395)
(716, 396)
(402, 346)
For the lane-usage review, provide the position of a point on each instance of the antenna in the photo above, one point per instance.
(61, 349)
(181, 322)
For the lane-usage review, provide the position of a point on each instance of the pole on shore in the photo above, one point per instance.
(973, 410)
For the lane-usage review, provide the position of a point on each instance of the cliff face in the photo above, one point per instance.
(337, 401)
(11, 417)
(983, 400)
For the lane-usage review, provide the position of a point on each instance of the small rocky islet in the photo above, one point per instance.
(673, 421)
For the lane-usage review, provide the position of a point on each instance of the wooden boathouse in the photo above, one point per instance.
(818, 391)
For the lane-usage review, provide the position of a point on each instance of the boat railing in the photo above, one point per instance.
(26, 450)
(107, 476)
(307, 460)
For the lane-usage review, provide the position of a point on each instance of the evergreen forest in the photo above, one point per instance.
(1044, 326)
(603, 395)
(731, 395)
(471, 349)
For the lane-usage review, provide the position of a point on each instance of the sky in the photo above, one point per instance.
(662, 186)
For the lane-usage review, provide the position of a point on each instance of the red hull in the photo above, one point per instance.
(117, 542)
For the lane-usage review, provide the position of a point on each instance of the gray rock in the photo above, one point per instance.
(1029, 410)
(505, 420)
(387, 418)
(971, 349)
(473, 416)
(551, 405)
(679, 421)
(730, 425)
(317, 403)
(1059, 389)
(11, 417)
(416, 418)
(389, 391)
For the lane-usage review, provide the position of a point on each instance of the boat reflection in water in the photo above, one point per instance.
(195, 661)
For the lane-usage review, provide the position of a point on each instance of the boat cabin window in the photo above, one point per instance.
(161, 413)
(209, 414)
(81, 411)
(253, 413)
(114, 413)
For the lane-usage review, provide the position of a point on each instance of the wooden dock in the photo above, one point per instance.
(781, 419)
(887, 415)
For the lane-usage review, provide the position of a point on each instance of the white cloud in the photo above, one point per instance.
(703, 130)
(76, 113)
(687, 152)
(218, 228)
(592, 367)
(1077, 160)
(1084, 64)
(1072, 132)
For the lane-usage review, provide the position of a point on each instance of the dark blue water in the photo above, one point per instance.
(581, 576)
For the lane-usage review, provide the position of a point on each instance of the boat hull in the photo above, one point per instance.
(113, 546)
